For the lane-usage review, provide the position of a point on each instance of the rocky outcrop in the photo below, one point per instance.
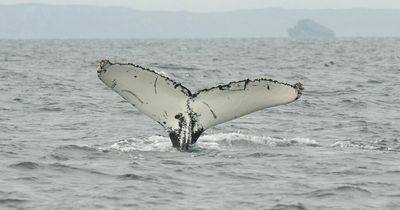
(309, 29)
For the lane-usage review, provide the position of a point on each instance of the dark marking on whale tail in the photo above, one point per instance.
(114, 83)
(212, 112)
(184, 115)
(174, 139)
(134, 95)
(155, 86)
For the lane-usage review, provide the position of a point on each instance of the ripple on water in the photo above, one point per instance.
(51, 109)
(8, 201)
(268, 155)
(132, 176)
(25, 165)
(70, 169)
(298, 206)
(83, 148)
(279, 169)
(342, 191)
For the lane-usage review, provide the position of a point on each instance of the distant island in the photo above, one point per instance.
(309, 29)
(40, 21)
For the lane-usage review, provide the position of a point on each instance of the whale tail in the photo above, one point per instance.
(185, 115)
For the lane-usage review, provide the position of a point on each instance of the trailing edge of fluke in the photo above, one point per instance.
(185, 115)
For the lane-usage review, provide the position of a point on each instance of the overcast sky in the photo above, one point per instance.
(223, 5)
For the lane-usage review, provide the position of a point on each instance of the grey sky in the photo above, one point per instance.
(223, 5)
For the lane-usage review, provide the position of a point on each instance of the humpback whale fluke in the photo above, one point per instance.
(186, 115)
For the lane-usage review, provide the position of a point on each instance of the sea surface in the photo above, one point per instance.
(69, 142)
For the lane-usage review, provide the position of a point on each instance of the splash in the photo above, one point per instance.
(238, 139)
(219, 141)
(153, 143)
(376, 145)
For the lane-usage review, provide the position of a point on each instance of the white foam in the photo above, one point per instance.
(219, 141)
(360, 145)
(153, 143)
(231, 138)
(162, 73)
(237, 140)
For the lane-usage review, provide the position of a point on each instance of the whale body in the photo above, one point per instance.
(186, 115)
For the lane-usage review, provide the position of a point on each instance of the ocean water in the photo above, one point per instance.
(69, 142)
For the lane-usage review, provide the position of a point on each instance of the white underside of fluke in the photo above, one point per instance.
(179, 111)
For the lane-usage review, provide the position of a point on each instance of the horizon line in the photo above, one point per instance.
(191, 11)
